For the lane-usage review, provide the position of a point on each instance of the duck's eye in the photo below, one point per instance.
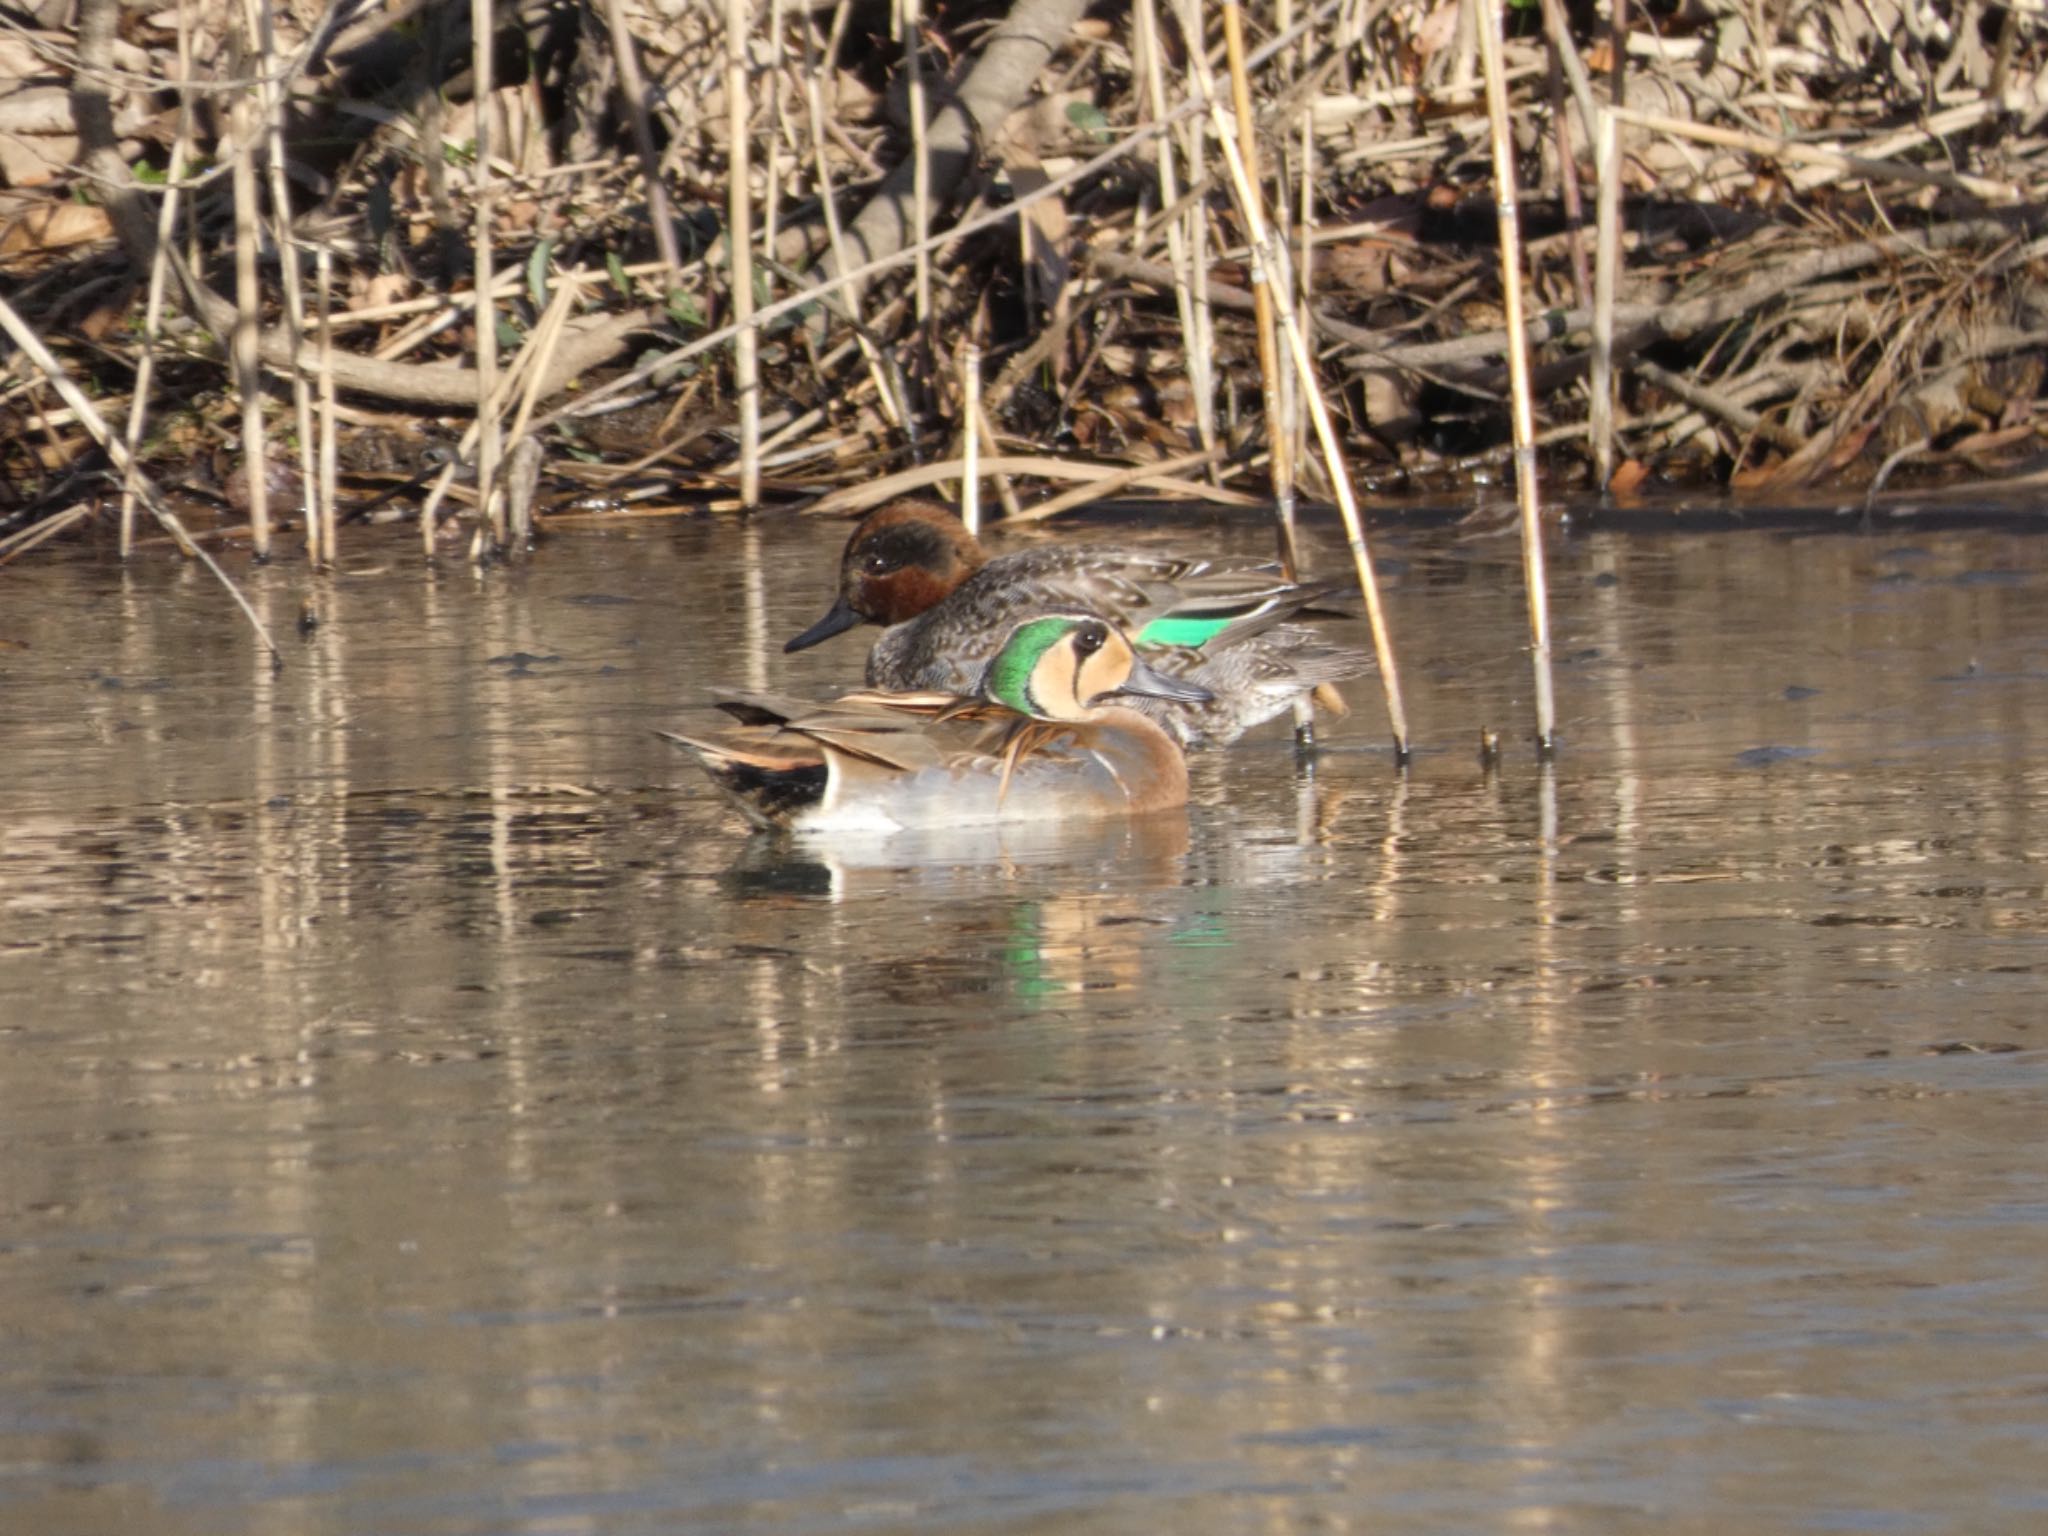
(1089, 638)
(878, 565)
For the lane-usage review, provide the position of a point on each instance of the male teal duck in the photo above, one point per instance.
(1219, 624)
(1046, 735)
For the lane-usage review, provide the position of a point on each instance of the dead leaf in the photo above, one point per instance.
(384, 288)
(1628, 477)
(55, 227)
(1437, 30)
(101, 319)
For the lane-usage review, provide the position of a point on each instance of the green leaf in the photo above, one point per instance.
(620, 281)
(537, 272)
(684, 309)
(510, 337)
(1089, 118)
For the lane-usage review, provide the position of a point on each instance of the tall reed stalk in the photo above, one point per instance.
(246, 126)
(633, 90)
(1274, 269)
(321, 517)
(1528, 492)
(1279, 441)
(1150, 51)
(483, 35)
(909, 22)
(1606, 278)
(159, 275)
(290, 258)
(739, 245)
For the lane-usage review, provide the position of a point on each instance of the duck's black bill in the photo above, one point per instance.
(1147, 682)
(838, 619)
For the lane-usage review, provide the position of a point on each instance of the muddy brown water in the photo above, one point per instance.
(426, 1110)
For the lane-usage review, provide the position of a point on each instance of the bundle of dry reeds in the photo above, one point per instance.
(739, 256)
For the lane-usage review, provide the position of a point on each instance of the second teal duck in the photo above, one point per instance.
(1220, 624)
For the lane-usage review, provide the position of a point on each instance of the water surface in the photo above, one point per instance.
(426, 1110)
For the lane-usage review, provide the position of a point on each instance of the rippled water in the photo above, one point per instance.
(425, 1110)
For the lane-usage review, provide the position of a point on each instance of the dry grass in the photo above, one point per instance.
(1823, 262)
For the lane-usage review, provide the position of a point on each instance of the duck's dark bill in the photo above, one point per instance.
(839, 618)
(1152, 684)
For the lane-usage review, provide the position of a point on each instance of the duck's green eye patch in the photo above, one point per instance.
(1192, 633)
(1009, 676)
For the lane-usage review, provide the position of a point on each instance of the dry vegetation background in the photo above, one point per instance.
(757, 251)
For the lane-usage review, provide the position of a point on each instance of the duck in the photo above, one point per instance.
(1221, 624)
(1048, 734)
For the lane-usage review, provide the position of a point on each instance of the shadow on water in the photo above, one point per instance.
(428, 1110)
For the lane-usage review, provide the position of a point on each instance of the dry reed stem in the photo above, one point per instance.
(248, 323)
(531, 366)
(1201, 375)
(1115, 482)
(1814, 154)
(483, 51)
(739, 244)
(1006, 492)
(1606, 278)
(1565, 62)
(828, 286)
(1528, 492)
(1352, 281)
(1305, 282)
(851, 276)
(1152, 477)
(17, 544)
(322, 518)
(779, 127)
(1201, 243)
(159, 274)
(907, 20)
(1277, 439)
(1273, 269)
(970, 446)
(633, 89)
(893, 408)
(32, 347)
(270, 100)
(1717, 404)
